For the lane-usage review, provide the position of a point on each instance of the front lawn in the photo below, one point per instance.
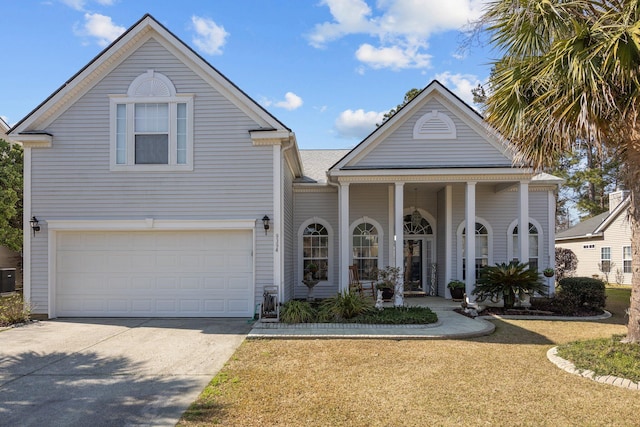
(503, 379)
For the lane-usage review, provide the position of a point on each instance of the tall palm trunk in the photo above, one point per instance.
(633, 327)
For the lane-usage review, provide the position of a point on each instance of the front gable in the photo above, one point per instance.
(33, 128)
(435, 130)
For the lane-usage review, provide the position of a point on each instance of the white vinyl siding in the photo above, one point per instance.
(73, 179)
(287, 232)
(399, 149)
(323, 206)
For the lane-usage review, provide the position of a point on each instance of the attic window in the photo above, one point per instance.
(434, 125)
(151, 84)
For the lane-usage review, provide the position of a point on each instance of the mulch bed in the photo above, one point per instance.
(501, 311)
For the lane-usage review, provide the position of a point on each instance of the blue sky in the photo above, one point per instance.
(328, 69)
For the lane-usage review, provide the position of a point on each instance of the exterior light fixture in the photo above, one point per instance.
(265, 223)
(35, 224)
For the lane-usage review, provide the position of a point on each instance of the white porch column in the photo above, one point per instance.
(470, 238)
(523, 222)
(448, 236)
(552, 239)
(344, 236)
(398, 299)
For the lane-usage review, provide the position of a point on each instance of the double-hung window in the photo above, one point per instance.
(626, 259)
(605, 259)
(152, 126)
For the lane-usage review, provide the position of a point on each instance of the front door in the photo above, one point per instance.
(418, 266)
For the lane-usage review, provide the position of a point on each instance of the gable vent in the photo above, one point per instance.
(151, 84)
(434, 125)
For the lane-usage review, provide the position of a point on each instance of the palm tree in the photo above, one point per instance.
(570, 71)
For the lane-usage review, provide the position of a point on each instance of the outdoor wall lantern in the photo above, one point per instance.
(35, 225)
(265, 223)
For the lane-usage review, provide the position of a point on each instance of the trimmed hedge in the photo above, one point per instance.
(581, 291)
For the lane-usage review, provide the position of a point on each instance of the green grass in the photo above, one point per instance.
(607, 356)
(604, 356)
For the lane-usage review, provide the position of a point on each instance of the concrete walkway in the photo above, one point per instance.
(450, 325)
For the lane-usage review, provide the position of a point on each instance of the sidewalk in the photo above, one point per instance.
(450, 325)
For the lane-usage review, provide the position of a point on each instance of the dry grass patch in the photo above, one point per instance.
(503, 379)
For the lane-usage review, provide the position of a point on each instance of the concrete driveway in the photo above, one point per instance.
(115, 372)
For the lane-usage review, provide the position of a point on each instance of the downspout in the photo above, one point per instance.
(279, 244)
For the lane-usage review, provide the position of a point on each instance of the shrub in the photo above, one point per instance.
(13, 310)
(345, 305)
(297, 312)
(566, 263)
(580, 291)
(506, 281)
(398, 316)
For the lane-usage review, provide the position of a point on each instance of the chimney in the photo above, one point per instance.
(616, 198)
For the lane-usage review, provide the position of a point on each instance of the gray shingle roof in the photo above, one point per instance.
(316, 163)
(583, 228)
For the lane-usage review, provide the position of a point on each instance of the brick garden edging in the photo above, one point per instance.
(569, 367)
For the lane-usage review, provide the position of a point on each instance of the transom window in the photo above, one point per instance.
(482, 250)
(533, 246)
(413, 227)
(626, 259)
(365, 250)
(315, 251)
(152, 126)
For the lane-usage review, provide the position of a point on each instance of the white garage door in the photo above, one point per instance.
(154, 273)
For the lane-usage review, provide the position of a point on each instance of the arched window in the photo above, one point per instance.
(151, 126)
(366, 250)
(416, 225)
(315, 250)
(534, 245)
(482, 250)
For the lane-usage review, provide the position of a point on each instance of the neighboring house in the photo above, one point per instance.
(150, 174)
(603, 243)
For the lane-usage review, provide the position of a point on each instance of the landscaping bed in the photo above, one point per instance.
(500, 311)
(352, 308)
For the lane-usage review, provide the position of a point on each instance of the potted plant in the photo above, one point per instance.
(548, 272)
(386, 282)
(457, 289)
(387, 290)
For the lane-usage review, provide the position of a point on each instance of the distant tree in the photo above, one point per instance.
(591, 172)
(11, 183)
(566, 263)
(412, 93)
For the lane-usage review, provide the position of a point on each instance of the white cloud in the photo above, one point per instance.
(74, 4)
(79, 4)
(394, 57)
(291, 102)
(460, 84)
(402, 27)
(357, 124)
(210, 37)
(100, 27)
